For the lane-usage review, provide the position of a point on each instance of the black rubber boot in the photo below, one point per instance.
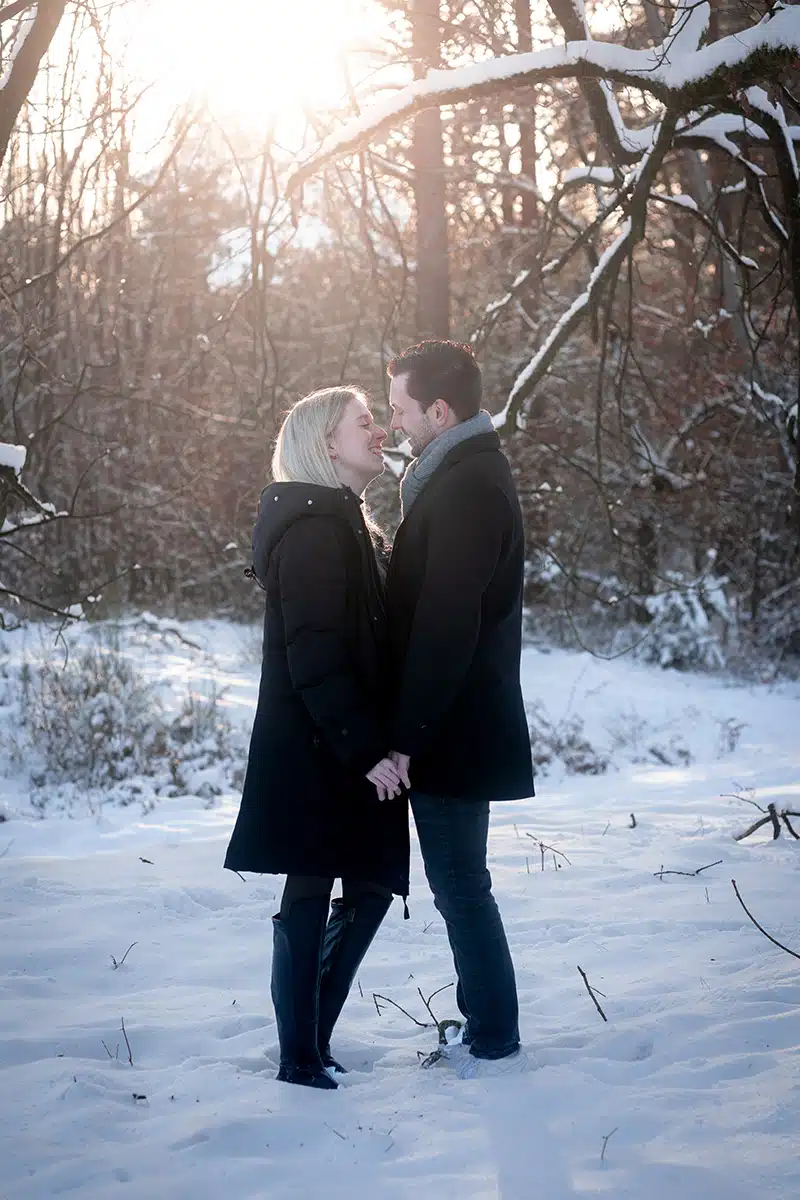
(347, 938)
(296, 951)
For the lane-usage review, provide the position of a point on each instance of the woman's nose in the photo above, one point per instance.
(380, 434)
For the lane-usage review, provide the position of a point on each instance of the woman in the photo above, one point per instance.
(318, 777)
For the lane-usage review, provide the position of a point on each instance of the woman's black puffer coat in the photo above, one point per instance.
(320, 723)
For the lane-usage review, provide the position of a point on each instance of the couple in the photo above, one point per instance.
(386, 677)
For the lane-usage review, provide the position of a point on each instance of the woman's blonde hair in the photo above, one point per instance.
(302, 453)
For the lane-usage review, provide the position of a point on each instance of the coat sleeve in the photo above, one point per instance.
(465, 540)
(312, 579)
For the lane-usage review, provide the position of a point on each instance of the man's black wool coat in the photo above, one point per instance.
(454, 598)
(321, 719)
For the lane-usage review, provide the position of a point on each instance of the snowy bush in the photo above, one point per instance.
(687, 626)
(92, 720)
(96, 724)
(206, 758)
(637, 740)
(562, 741)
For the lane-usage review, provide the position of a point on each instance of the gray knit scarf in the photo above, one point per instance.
(420, 470)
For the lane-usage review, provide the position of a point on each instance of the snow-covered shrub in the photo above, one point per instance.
(730, 731)
(562, 741)
(206, 758)
(637, 740)
(92, 720)
(95, 727)
(687, 626)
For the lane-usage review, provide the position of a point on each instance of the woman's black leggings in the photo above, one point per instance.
(304, 887)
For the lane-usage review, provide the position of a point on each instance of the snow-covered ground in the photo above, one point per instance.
(690, 1091)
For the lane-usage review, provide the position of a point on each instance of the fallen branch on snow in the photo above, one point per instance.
(441, 1027)
(774, 941)
(660, 874)
(771, 814)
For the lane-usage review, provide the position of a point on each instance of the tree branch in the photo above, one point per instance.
(35, 43)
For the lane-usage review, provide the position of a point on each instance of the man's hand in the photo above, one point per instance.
(387, 779)
(401, 762)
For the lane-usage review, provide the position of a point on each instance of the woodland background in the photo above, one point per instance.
(166, 294)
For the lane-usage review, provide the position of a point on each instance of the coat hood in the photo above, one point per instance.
(282, 504)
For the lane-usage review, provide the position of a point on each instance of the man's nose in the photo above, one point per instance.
(396, 421)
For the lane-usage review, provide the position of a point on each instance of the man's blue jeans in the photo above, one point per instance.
(452, 837)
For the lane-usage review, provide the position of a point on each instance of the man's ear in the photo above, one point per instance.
(441, 411)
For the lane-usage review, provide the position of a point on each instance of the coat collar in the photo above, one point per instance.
(478, 444)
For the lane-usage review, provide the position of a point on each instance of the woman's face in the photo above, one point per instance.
(356, 446)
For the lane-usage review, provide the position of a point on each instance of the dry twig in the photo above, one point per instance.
(386, 999)
(590, 990)
(606, 1136)
(127, 1043)
(774, 941)
(660, 874)
(117, 965)
(544, 847)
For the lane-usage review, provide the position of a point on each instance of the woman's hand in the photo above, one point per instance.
(386, 778)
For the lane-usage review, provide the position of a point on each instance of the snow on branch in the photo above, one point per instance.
(757, 98)
(536, 368)
(31, 44)
(690, 205)
(717, 132)
(618, 139)
(18, 40)
(687, 31)
(493, 310)
(13, 492)
(686, 81)
(12, 457)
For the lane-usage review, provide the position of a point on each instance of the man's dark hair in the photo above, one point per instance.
(439, 370)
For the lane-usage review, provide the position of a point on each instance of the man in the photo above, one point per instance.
(454, 596)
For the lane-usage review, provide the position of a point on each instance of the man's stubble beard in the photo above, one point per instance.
(422, 438)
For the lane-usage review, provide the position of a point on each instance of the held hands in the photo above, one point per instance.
(390, 775)
(401, 762)
(386, 778)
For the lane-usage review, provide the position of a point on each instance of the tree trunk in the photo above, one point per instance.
(433, 272)
(527, 117)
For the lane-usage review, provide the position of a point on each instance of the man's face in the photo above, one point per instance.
(409, 417)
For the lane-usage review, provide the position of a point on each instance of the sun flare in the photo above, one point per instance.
(257, 59)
